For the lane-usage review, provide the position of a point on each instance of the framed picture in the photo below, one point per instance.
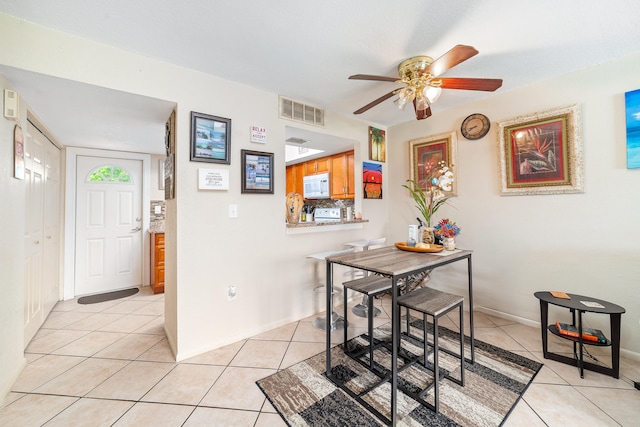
(377, 144)
(426, 153)
(372, 180)
(18, 151)
(210, 138)
(632, 108)
(170, 134)
(542, 153)
(257, 172)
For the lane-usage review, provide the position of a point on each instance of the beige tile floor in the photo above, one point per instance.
(109, 364)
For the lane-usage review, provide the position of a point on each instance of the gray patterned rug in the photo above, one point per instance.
(304, 396)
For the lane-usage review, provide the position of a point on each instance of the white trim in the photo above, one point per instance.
(72, 154)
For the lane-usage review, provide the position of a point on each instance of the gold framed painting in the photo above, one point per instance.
(425, 155)
(542, 153)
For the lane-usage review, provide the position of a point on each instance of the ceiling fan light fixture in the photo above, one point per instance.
(405, 96)
(432, 93)
(422, 102)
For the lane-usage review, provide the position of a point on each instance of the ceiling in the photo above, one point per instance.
(305, 50)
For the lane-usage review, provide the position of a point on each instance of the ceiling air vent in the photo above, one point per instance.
(300, 112)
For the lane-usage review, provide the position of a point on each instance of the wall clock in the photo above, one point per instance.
(475, 126)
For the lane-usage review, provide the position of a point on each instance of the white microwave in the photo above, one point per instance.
(316, 186)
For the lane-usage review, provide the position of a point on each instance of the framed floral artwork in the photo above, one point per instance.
(542, 153)
(426, 155)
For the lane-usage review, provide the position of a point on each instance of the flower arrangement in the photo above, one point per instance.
(446, 228)
(429, 193)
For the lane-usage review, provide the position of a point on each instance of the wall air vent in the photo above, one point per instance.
(296, 140)
(10, 104)
(300, 112)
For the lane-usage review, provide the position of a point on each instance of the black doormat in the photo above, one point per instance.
(92, 299)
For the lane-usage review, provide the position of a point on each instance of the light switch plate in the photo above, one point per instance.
(157, 209)
(233, 211)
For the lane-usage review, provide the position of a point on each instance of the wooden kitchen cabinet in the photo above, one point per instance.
(342, 178)
(295, 175)
(157, 262)
(320, 165)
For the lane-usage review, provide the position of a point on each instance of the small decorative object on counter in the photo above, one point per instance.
(294, 204)
(447, 230)
(413, 235)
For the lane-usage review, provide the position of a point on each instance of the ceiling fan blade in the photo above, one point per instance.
(455, 56)
(422, 114)
(488, 85)
(376, 102)
(372, 77)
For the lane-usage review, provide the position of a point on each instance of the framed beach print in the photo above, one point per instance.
(377, 144)
(426, 155)
(210, 138)
(632, 109)
(257, 172)
(542, 153)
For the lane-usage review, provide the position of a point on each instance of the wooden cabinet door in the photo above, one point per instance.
(294, 179)
(342, 179)
(350, 178)
(316, 166)
(157, 263)
(290, 180)
(337, 177)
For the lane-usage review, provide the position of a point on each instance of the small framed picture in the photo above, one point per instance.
(257, 172)
(210, 138)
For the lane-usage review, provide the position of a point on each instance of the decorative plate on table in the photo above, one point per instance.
(430, 248)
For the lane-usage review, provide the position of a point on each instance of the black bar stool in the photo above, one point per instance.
(370, 286)
(434, 303)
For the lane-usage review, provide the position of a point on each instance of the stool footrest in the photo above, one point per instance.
(370, 285)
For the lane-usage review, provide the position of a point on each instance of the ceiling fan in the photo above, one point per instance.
(420, 75)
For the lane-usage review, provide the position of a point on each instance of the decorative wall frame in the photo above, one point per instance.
(632, 110)
(170, 134)
(542, 153)
(257, 172)
(18, 152)
(425, 153)
(210, 138)
(377, 144)
(371, 180)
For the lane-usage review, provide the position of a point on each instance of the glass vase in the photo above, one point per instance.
(427, 235)
(449, 243)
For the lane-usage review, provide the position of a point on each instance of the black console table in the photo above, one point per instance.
(615, 313)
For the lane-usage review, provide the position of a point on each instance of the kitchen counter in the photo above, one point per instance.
(312, 227)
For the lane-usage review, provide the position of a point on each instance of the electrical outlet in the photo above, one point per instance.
(231, 293)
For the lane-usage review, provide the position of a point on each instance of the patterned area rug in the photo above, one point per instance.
(304, 396)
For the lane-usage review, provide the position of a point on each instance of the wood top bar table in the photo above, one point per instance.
(398, 265)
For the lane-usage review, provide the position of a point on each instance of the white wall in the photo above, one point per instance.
(588, 244)
(206, 251)
(12, 218)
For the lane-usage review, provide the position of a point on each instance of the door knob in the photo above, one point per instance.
(135, 230)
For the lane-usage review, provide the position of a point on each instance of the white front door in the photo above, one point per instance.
(108, 224)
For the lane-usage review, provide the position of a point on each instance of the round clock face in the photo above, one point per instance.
(475, 126)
